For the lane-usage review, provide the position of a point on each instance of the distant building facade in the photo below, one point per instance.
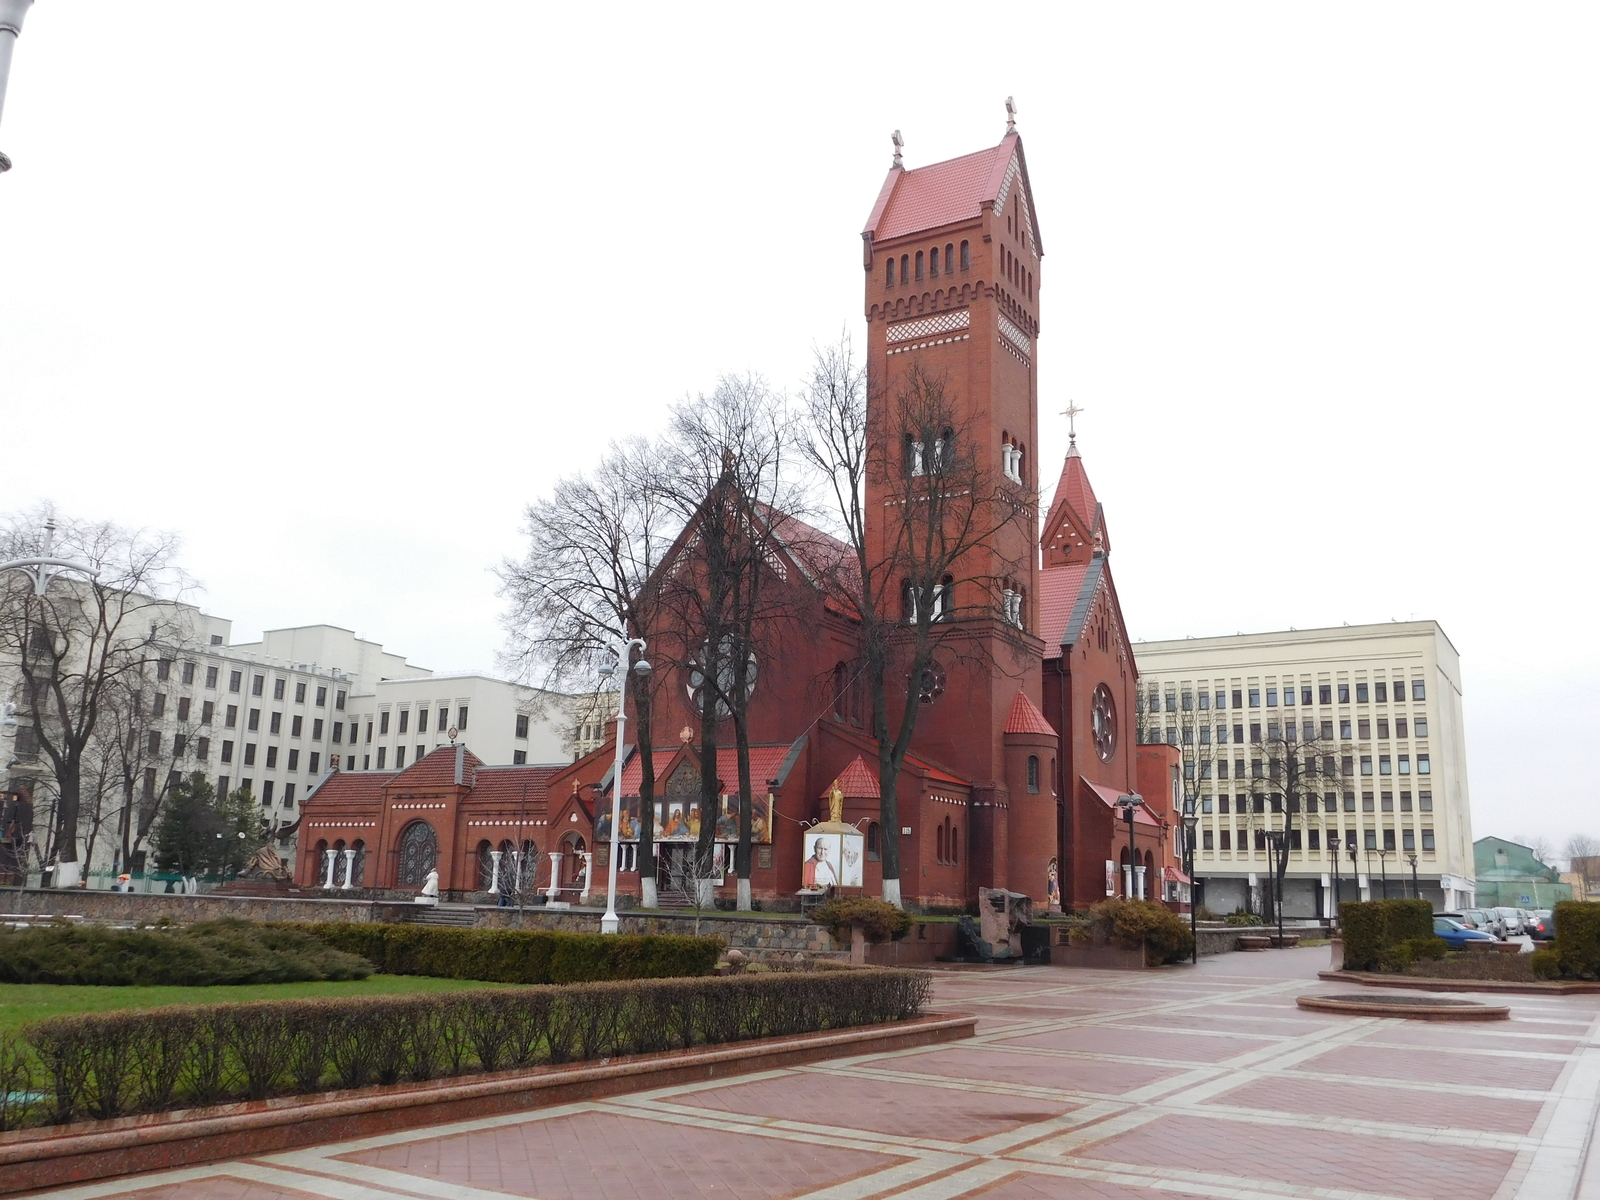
(1380, 705)
(1511, 875)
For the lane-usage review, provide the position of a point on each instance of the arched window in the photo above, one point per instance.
(1052, 774)
(949, 258)
(319, 861)
(933, 262)
(905, 275)
(874, 846)
(908, 602)
(1033, 772)
(888, 278)
(1030, 285)
(913, 456)
(485, 866)
(1022, 453)
(419, 853)
(955, 845)
(358, 866)
(966, 256)
(919, 266)
(939, 837)
(943, 447)
(944, 599)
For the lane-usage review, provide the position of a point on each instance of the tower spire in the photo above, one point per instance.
(1011, 115)
(899, 145)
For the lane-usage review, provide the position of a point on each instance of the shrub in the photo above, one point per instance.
(1383, 935)
(1132, 924)
(1239, 917)
(1545, 964)
(517, 955)
(879, 920)
(105, 1065)
(1474, 964)
(1577, 943)
(1402, 955)
(231, 951)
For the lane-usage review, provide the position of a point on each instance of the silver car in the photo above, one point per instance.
(1485, 920)
(1512, 919)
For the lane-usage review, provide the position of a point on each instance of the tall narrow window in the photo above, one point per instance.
(949, 258)
(1033, 772)
(919, 266)
(933, 262)
(905, 272)
(966, 256)
(888, 278)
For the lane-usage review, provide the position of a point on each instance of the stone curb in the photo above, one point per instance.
(1421, 983)
(39, 1158)
(1376, 1007)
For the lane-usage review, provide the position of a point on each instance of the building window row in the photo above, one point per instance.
(926, 264)
(1377, 692)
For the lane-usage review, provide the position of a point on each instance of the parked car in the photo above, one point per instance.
(1484, 920)
(1542, 926)
(1457, 934)
(1512, 919)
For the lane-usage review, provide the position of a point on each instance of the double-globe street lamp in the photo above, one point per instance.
(11, 14)
(1129, 804)
(1191, 822)
(622, 652)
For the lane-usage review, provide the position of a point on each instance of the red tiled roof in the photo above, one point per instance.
(941, 193)
(438, 769)
(858, 781)
(1026, 718)
(1058, 594)
(938, 773)
(347, 786)
(511, 785)
(826, 560)
(1141, 815)
(764, 764)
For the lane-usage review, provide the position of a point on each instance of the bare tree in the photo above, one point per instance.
(724, 587)
(78, 642)
(1581, 845)
(586, 580)
(927, 558)
(1542, 847)
(1292, 778)
(1181, 716)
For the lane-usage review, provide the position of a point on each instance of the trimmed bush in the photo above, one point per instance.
(1545, 964)
(104, 1065)
(516, 955)
(1377, 932)
(206, 954)
(1133, 924)
(1577, 944)
(879, 920)
(1239, 917)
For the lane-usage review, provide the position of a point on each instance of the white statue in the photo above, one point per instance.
(430, 890)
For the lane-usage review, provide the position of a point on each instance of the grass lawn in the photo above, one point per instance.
(24, 1002)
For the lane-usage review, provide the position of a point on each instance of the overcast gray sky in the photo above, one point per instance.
(333, 290)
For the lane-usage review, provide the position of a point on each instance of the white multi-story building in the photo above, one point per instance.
(273, 716)
(1377, 706)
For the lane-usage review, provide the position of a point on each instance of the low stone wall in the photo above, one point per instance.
(152, 906)
(757, 934)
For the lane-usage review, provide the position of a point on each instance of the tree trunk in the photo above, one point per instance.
(68, 869)
(741, 858)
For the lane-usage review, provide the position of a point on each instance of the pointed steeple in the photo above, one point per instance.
(1075, 529)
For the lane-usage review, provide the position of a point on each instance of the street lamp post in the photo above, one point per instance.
(1129, 804)
(1355, 865)
(624, 651)
(1275, 841)
(11, 14)
(1416, 892)
(1333, 855)
(1383, 860)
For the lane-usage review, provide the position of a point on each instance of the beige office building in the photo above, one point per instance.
(1378, 709)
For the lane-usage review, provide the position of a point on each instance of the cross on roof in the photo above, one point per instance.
(1070, 412)
(1011, 115)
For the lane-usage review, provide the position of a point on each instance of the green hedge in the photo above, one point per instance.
(205, 954)
(1386, 935)
(1577, 943)
(880, 921)
(1132, 924)
(517, 955)
(105, 1065)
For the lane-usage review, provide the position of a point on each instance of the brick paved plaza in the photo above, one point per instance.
(1200, 1081)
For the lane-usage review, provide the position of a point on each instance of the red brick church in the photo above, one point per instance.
(1014, 776)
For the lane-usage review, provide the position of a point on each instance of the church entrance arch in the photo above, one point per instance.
(419, 853)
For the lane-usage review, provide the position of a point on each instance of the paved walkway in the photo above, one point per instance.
(1201, 1082)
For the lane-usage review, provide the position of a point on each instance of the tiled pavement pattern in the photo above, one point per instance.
(1204, 1082)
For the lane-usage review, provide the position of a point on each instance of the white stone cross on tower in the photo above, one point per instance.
(899, 145)
(1011, 115)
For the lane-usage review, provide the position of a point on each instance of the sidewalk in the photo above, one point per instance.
(1203, 1081)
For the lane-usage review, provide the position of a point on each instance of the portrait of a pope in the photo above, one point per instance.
(818, 872)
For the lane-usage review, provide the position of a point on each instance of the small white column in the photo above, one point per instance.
(1138, 882)
(554, 891)
(588, 873)
(349, 871)
(494, 872)
(1127, 883)
(327, 857)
